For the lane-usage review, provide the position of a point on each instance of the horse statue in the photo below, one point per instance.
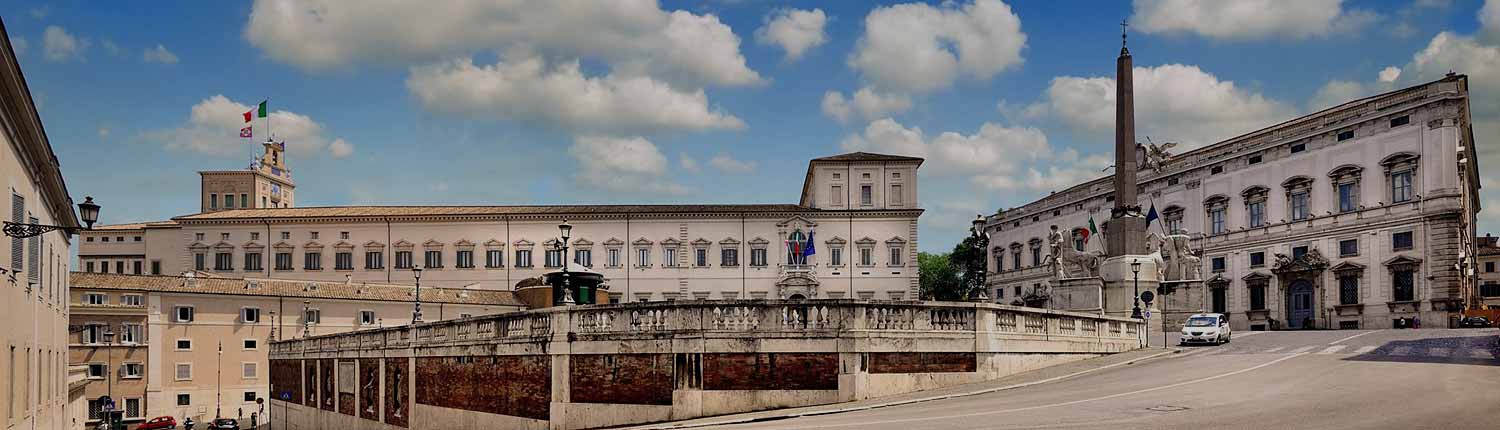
(1155, 244)
(1069, 262)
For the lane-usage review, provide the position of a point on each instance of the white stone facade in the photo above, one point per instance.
(1332, 184)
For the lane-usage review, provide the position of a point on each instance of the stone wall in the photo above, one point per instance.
(609, 365)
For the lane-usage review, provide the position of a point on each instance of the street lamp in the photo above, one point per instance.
(87, 210)
(977, 269)
(219, 392)
(275, 323)
(306, 323)
(416, 313)
(1135, 267)
(567, 293)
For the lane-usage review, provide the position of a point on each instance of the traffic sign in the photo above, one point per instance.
(1147, 296)
(1148, 315)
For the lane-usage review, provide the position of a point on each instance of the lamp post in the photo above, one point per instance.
(976, 265)
(87, 211)
(306, 324)
(219, 392)
(567, 293)
(275, 324)
(416, 313)
(1135, 267)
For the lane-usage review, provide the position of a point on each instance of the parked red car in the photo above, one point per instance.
(159, 423)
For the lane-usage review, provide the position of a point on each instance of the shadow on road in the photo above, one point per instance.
(1440, 350)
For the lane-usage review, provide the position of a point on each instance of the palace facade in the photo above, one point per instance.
(1350, 217)
(857, 217)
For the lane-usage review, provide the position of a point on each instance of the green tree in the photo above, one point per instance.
(939, 279)
(968, 259)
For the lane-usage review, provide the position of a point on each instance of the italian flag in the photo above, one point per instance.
(258, 112)
(1092, 230)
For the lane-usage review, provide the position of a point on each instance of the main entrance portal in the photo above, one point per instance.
(1299, 304)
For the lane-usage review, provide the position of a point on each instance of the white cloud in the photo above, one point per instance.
(622, 165)
(19, 45)
(527, 89)
(214, 123)
(1489, 21)
(688, 163)
(867, 103)
(159, 54)
(340, 148)
(996, 157)
(917, 47)
(1173, 102)
(58, 45)
(633, 37)
(1390, 74)
(1249, 19)
(794, 30)
(728, 164)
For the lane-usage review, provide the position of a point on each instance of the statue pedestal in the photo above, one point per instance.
(1121, 283)
(1078, 295)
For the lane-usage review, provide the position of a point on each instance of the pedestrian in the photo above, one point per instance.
(187, 423)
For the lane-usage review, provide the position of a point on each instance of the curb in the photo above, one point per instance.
(907, 401)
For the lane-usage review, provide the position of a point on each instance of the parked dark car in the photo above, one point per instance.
(158, 423)
(225, 424)
(1474, 322)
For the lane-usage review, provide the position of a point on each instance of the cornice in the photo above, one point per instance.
(812, 214)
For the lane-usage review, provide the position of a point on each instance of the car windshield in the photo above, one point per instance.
(1202, 321)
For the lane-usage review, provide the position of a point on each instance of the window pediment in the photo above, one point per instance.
(836, 241)
(797, 221)
(670, 242)
(614, 242)
(1402, 262)
(895, 241)
(492, 243)
(642, 242)
(1216, 200)
(343, 245)
(223, 245)
(1255, 191)
(1256, 277)
(374, 245)
(198, 246)
(702, 242)
(582, 242)
(1347, 267)
(463, 243)
(1015, 245)
(312, 244)
(1298, 181)
(283, 245)
(865, 241)
(252, 245)
(523, 243)
(729, 241)
(1345, 171)
(1399, 159)
(551, 243)
(403, 244)
(432, 243)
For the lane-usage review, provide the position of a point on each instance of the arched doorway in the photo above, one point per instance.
(1299, 304)
(797, 297)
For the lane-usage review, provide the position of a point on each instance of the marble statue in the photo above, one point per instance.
(1181, 263)
(1157, 155)
(1068, 262)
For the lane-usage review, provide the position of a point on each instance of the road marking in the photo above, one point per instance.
(1268, 351)
(1332, 349)
(1401, 350)
(1437, 352)
(1479, 353)
(1336, 342)
(1069, 403)
(1304, 349)
(1365, 349)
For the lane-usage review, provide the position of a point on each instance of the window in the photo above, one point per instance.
(184, 399)
(1036, 253)
(88, 266)
(1299, 251)
(92, 333)
(1348, 247)
(1401, 187)
(94, 299)
(1216, 220)
(1401, 241)
(1489, 289)
(836, 256)
(1254, 159)
(343, 261)
(464, 259)
(836, 195)
(729, 257)
(1403, 285)
(229, 201)
(433, 259)
(1216, 170)
(223, 261)
(96, 370)
(1257, 212)
(135, 267)
(523, 258)
(642, 257)
(155, 267)
(183, 313)
(213, 201)
(312, 261)
(196, 236)
(251, 344)
(670, 257)
(253, 236)
(552, 258)
(366, 317)
(200, 262)
(286, 235)
(132, 333)
(1258, 297)
(895, 197)
(1218, 264)
(1299, 148)
(184, 344)
(895, 256)
(222, 236)
(866, 195)
(1173, 181)
(1346, 135)
(312, 235)
(866, 257)
(313, 316)
(584, 256)
(184, 371)
(1348, 290)
(999, 260)
(283, 261)
(1173, 215)
(250, 396)
(403, 259)
(1400, 121)
(700, 257)
(374, 259)
(1347, 197)
(494, 258)
(344, 235)
(250, 315)
(758, 257)
(1299, 205)
(250, 371)
(612, 257)
(133, 371)
(133, 300)
(119, 267)
(1015, 257)
(1489, 267)
(1257, 259)
(252, 262)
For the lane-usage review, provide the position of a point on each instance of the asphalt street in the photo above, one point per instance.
(1345, 379)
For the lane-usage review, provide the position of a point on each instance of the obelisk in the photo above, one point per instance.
(1125, 232)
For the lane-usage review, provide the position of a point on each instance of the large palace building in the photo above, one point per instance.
(1351, 217)
(853, 234)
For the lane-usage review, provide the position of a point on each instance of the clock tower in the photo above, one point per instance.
(266, 183)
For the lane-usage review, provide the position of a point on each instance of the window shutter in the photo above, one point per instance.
(17, 245)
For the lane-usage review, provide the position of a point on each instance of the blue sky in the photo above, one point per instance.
(700, 102)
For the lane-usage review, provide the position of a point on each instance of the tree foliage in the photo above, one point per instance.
(939, 278)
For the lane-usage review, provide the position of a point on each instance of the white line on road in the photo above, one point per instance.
(1268, 351)
(1336, 342)
(1437, 352)
(1069, 403)
(1332, 349)
(1303, 349)
(1365, 349)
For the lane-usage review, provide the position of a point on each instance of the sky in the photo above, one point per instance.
(387, 102)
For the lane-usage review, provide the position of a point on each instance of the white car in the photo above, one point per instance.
(1206, 328)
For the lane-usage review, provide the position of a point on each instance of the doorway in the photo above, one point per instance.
(1299, 304)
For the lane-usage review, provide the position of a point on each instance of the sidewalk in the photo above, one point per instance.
(1020, 380)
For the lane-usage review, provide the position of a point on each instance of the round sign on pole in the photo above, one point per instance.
(1148, 315)
(1147, 296)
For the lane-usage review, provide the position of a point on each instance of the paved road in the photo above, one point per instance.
(1370, 379)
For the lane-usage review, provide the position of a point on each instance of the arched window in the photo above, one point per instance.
(1401, 174)
(1217, 208)
(1345, 180)
(796, 246)
(1255, 205)
(1299, 197)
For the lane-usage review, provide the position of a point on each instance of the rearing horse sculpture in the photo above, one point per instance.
(1069, 262)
